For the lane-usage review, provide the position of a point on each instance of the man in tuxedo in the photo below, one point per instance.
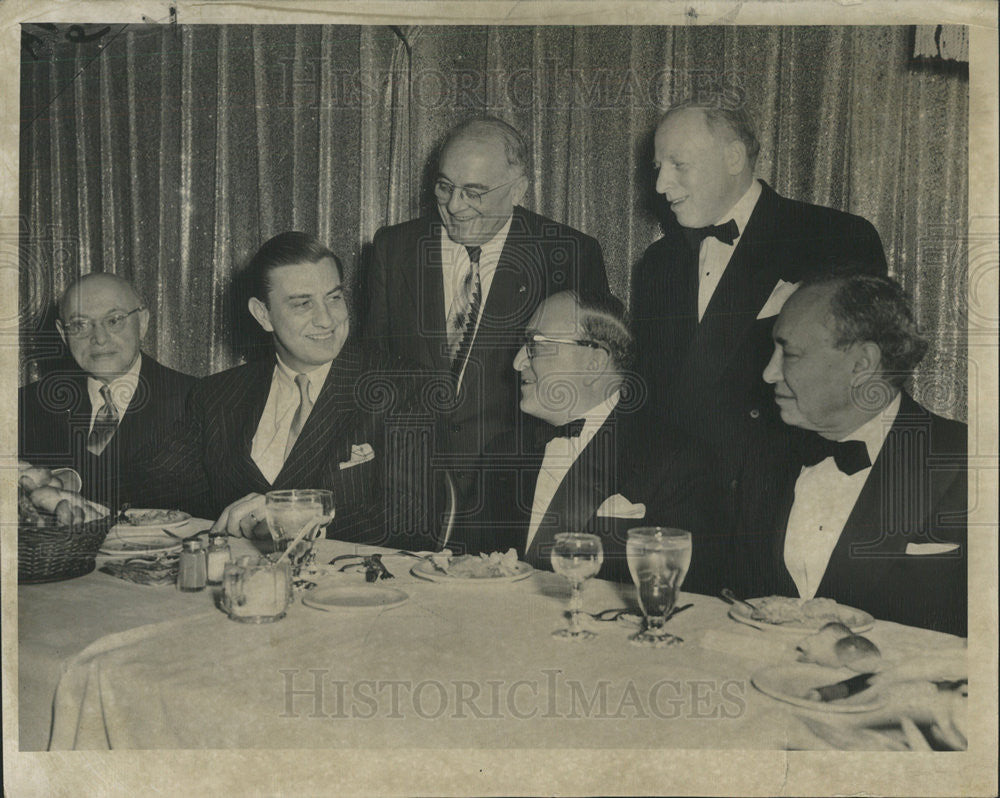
(451, 291)
(323, 413)
(569, 468)
(98, 415)
(704, 297)
(874, 514)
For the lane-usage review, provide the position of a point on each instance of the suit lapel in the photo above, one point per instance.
(518, 275)
(433, 313)
(242, 417)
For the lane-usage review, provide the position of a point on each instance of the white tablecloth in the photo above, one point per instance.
(454, 666)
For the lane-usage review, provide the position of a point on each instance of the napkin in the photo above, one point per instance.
(777, 299)
(360, 453)
(618, 506)
(930, 548)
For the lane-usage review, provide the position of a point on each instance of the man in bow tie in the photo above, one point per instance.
(97, 416)
(874, 514)
(452, 290)
(568, 468)
(704, 297)
(323, 412)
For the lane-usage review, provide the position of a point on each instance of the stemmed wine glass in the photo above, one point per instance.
(577, 556)
(658, 560)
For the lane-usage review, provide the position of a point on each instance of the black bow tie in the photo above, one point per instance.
(546, 432)
(726, 233)
(850, 456)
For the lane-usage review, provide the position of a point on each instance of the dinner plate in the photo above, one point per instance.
(137, 520)
(426, 570)
(127, 541)
(790, 683)
(353, 597)
(862, 621)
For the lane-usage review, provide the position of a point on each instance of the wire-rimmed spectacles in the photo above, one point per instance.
(112, 323)
(443, 190)
(532, 341)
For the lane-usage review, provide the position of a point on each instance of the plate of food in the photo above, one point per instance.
(138, 518)
(478, 569)
(354, 597)
(798, 615)
(819, 688)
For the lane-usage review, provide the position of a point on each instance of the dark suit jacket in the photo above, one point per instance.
(55, 416)
(915, 493)
(407, 317)
(706, 377)
(380, 501)
(677, 489)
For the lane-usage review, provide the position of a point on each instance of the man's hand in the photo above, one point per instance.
(244, 518)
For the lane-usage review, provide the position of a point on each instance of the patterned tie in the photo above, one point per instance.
(105, 423)
(301, 413)
(462, 324)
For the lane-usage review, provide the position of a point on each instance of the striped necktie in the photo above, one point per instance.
(301, 412)
(465, 321)
(105, 423)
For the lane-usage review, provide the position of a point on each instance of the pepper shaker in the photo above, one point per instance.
(191, 570)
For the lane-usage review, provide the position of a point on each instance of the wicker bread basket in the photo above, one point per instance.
(50, 552)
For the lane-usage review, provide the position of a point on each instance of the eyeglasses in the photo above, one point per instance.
(113, 323)
(443, 189)
(532, 341)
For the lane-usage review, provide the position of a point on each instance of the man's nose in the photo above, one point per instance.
(664, 180)
(772, 371)
(322, 317)
(521, 359)
(457, 202)
(98, 333)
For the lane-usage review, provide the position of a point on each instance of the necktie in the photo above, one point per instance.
(301, 413)
(850, 456)
(546, 432)
(726, 233)
(105, 423)
(462, 328)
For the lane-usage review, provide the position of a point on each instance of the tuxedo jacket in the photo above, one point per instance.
(915, 495)
(406, 315)
(54, 423)
(677, 489)
(377, 500)
(706, 377)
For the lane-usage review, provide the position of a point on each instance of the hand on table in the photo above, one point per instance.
(244, 518)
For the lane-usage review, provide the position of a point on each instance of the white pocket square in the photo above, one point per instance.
(618, 506)
(360, 453)
(777, 299)
(930, 548)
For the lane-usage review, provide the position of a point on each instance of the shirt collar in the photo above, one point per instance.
(740, 212)
(122, 387)
(874, 431)
(317, 376)
(489, 251)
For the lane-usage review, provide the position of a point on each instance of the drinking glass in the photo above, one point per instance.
(577, 556)
(256, 591)
(658, 560)
(290, 510)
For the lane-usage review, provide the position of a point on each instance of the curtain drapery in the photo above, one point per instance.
(169, 154)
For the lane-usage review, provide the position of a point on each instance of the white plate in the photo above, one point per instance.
(353, 597)
(739, 613)
(790, 683)
(128, 541)
(426, 570)
(180, 518)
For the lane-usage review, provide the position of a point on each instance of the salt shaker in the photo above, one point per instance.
(191, 570)
(216, 557)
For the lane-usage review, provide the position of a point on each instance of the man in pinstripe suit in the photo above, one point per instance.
(324, 413)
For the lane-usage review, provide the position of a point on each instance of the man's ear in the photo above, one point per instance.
(519, 189)
(867, 358)
(143, 323)
(259, 311)
(735, 156)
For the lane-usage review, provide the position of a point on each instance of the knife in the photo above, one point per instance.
(840, 690)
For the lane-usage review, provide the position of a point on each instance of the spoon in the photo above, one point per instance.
(732, 598)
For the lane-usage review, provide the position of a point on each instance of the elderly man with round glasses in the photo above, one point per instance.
(97, 415)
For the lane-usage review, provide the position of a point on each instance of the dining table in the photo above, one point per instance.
(105, 663)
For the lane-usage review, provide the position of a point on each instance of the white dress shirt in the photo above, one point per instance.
(714, 255)
(824, 498)
(268, 449)
(455, 266)
(560, 454)
(122, 390)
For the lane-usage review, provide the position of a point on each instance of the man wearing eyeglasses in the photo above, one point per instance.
(568, 468)
(452, 290)
(98, 417)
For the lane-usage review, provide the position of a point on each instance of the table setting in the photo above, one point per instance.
(290, 642)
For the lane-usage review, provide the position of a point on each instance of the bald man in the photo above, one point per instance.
(98, 414)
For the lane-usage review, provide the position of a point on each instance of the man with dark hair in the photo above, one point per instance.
(874, 511)
(704, 297)
(98, 416)
(568, 468)
(323, 413)
(451, 291)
